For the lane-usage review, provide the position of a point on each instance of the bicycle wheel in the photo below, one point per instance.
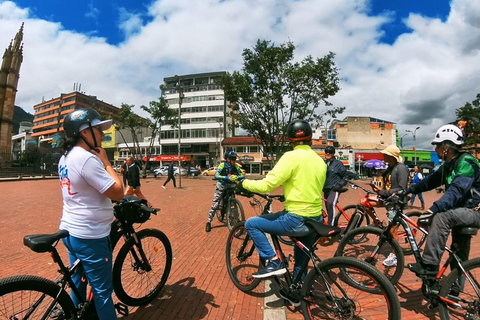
(363, 251)
(136, 281)
(328, 294)
(220, 212)
(462, 292)
(342, 218)
(32, 297)
(235, 213)
(420, 237)
(242, 258)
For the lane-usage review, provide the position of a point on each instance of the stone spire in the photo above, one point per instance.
(9, 75)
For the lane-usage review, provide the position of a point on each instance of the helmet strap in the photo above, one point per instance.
(93, 136)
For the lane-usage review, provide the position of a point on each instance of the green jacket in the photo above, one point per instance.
(302, 174)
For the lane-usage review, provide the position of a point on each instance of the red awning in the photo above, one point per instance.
(364, 156)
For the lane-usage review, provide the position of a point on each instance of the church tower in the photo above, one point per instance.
(9, 75)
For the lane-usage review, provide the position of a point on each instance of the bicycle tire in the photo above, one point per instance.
(133, 283)
(363, 251)
(256, 205)
(20, 294)
(420, 237)
(348, 302)
(220, 211)
(242, 258)
(467, 300)
(235, 213)
(342, 222)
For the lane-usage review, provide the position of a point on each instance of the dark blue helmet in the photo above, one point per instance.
(230, 155)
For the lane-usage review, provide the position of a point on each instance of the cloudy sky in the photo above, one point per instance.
(407, 61)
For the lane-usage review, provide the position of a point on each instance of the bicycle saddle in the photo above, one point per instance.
(321, 229)
(44, 242)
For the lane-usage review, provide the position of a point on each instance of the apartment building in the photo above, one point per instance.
(204, 118)
(49, 115)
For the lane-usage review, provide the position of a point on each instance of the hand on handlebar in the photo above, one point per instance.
(233, 178)
(241, 190)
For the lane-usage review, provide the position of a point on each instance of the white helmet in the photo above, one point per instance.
(449, 132)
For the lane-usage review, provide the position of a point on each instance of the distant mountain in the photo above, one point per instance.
(20, 115)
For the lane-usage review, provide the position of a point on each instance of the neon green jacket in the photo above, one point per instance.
(302, 173)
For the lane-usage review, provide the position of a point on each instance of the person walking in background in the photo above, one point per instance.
(171, 176)
(133, 179)
(335, 180)
(88, 184)
(123, 171)
(416, 178)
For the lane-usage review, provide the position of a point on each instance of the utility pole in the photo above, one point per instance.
(180, 98)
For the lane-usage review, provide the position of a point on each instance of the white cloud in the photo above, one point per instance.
(418, 81)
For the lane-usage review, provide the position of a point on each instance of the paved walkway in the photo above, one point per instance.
(198, 286)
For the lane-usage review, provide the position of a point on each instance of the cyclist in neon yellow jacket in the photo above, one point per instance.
(302, 174)
(228, 171)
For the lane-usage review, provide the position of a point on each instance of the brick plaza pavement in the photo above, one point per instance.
(198, 286)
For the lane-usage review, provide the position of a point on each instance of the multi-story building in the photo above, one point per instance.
(49, 115)
(204, 117)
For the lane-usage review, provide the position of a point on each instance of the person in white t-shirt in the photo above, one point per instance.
(89, 183)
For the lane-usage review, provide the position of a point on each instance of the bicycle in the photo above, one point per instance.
(377, 243)
(366, 211)
(140, 271)
(233, 208)
(335, 288)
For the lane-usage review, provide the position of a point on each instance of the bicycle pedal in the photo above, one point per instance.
(121, 308)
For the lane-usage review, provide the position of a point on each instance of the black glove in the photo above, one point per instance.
(384, 193)
(241, 190)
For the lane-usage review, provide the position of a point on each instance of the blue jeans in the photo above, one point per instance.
(96, 258)
(283, 224)
(420, 196)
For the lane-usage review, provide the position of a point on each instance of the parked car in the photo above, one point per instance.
(192, 171)
(163, 171)
(210, 171)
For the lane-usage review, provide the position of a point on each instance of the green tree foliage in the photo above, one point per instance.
(272, 90)
(470, 113)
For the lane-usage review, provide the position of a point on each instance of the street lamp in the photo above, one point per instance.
(401, 141)
(180, 98)
(414, 133)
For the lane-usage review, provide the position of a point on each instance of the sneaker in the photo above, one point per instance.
(208, 227)
(295, 302)
(273, 268)
(391, 260)
(422, 269)
(164, 187)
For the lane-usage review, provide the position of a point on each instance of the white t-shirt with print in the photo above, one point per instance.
(87, 213)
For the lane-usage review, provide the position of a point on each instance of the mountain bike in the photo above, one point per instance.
(336, 288)
(140, 271)
(377, 244)
(366, 211)
(229, 206)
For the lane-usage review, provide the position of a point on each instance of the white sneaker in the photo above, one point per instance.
(391, 260)
(164, 187)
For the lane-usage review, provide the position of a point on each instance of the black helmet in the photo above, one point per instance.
(230, 154)
(81, 119)
(329, 150)
(299, 130)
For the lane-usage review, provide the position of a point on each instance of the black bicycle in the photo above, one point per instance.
(140, 271)
(336, 288)
(229, 207)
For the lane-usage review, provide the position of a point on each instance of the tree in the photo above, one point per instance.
(160, 115)
(272, 90)
(470, 115)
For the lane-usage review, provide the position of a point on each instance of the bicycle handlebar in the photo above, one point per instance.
(267, 196)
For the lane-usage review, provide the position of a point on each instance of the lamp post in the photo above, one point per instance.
(414, 133)
(180, 98)
(401, 141)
